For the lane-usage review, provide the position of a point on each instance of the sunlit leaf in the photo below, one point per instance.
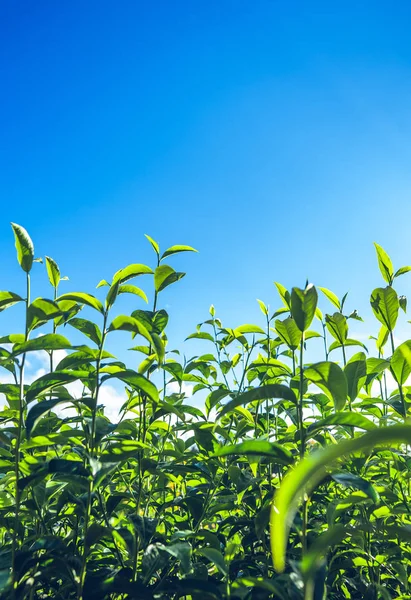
(258, 448)
(401, 362)
(331, 297)
(24, 247)
(385, 305)
(164, 275)
(273, 390)
(303, 305)
(330, 378)
(176, 250)
(83, 298)
(385, 264)
(53, 271)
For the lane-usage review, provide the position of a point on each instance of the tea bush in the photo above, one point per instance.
(293, 481)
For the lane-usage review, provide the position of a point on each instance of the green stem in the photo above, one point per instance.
(17, 455)
(54, 331)
(301, 400)
(344, 356)
(403, 403)
(325, 340)
(91, 445)
(302, 442)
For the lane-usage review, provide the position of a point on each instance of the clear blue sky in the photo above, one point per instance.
(273, 136)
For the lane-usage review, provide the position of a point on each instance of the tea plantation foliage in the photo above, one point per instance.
(292, 482)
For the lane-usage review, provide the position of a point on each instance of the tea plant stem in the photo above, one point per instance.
(98, 385)
(17, 449)
(54, 331)
(302, 442)
(217, 347)
(325, 340)
(344, 356)
(403, 403)
(301, 400)
(91, 452)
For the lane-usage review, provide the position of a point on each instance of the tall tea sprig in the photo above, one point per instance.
(25, 257)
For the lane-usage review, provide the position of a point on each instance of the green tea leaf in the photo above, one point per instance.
(95, 533)
(124, 450)
(176, 250)
(136, 381)
(385, 264)
(303, 305)
(258, 448)
(90, 329)
(356, 374)
(242, 329)
(49, 341)
(337, 326)
(403, 303)
(40, 311)
(288, 332)
(53, 271)
(263, 307)
(402, 271)
(382, 338)
(125, 323)
(385, 305)
(132, 289)
(7, 299)
(401, 362)
(349, 419)
(330, 378)
(164, 276)
(181, 551)
(38, 410)
(51, 380)
(200, 335)
(348, 342)
(130, 272)
(351, 480)
(83, 298)
(215, 557)
(273, 390)
(284, 294)
(24, 247)
(154, 244)
(331, 297)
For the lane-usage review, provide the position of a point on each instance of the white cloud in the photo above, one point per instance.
(112, 401)
(186, 388)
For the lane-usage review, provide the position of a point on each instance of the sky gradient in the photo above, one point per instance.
(274, 137)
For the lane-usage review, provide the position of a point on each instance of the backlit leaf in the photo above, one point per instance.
(83, 298)
(8, 299)
(24, 247)
(303, 305)
(385, 264)
(330, 378)
(273, 390)
(401, 362)
(385, 305)
(53, 271)
(176, 250)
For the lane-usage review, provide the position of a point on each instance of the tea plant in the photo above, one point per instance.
(292, 480)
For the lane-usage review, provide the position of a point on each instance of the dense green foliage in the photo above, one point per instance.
(292, 480)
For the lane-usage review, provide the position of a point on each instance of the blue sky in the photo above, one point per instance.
(274, 137)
